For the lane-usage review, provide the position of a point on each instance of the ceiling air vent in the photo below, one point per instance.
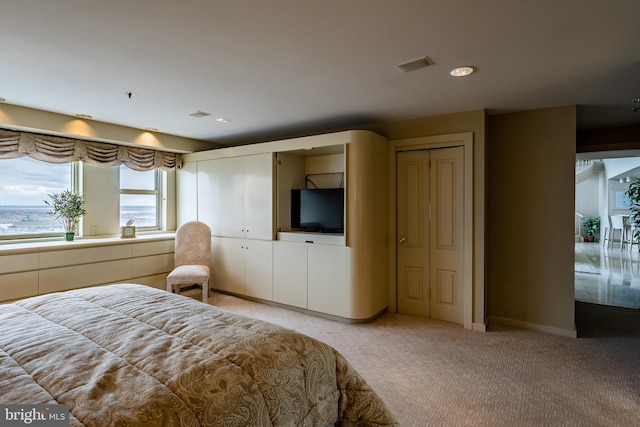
(199, 114)
(414, 64)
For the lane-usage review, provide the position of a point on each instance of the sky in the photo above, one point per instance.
(25, 181)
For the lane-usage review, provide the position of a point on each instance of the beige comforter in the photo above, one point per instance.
(133, 355)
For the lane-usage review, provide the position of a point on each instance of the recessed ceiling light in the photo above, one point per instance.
(199, 114)
(462, 71)
(223, 120)
(151, 129)
(84, 116)
(414, 64)
(3, 100)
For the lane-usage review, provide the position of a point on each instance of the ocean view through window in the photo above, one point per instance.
(139, 198)
(26, 183)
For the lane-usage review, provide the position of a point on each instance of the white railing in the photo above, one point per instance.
(578, 224)
(584, 164)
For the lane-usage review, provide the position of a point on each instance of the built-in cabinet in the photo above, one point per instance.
(244, 194)
(311, 276)
(53, 267)
(243, 266)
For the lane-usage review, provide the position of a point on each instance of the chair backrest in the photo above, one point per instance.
(193, 244)
(617, 222)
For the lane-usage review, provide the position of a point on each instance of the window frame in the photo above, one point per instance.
(158, 192)
(75, 186)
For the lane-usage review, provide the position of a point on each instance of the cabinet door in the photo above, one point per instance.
(290, 273)
(18, 285)
(259, 193)
(216, 278)
(230, 265)
(328, 279)
(208, 191)
(232, 197)
(258, 269)
(186, 183)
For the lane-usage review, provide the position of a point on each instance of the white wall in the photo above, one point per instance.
(530, 253)
(588, 196)
(614, 167)
(101, 189)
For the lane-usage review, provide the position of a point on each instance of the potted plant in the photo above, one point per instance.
(634, 198)
(591, 227)
(69, 207)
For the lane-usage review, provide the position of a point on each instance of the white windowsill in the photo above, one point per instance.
(13, 247)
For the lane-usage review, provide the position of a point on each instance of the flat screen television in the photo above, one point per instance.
(319, 209)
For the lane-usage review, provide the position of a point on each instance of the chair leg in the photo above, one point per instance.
(205, 291)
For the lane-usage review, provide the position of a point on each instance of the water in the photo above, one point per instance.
(20, 220)
(142, 216)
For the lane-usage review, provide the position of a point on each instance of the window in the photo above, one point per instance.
(25, 185)
(140, 198)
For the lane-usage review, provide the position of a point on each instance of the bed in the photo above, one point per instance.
(130, 354)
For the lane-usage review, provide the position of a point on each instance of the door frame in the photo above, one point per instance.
(464, 140)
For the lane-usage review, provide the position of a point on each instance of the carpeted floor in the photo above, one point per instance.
(434, 373)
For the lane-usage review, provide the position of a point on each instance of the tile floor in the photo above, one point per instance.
(607, 275)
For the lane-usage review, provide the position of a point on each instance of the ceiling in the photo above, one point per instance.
(283, 68)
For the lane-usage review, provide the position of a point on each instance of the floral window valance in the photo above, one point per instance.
(56, 149)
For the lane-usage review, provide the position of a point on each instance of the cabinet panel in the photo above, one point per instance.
(232, 197)
(62, 279)
(18, 285)
(246, 196)
(158, 281)
(153, 248)
(150, 265)
(21, 262)
(215, 278)
(328, 279)
(186, 184)
(84, 255)
(290, 273)
(258, 269)
(208, 194)
(258, 202)
(230, 265)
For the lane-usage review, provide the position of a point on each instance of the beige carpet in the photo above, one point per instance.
(433, 373)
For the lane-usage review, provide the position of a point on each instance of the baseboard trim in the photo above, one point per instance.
(571, 333)
(304, 310)
(480, 327)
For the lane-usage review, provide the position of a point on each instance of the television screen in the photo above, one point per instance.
(320, 210)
